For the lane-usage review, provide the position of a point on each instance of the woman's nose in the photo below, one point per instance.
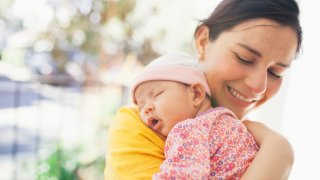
(257, 82)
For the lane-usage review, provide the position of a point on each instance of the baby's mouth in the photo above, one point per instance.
(155, 125)
(154, 122)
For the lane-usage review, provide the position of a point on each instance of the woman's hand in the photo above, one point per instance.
(275, 158)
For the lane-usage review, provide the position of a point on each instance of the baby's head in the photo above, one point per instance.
(170, 89)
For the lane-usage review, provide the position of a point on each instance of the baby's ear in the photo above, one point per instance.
(199, 93)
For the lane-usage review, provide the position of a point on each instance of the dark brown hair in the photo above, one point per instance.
(232, 12)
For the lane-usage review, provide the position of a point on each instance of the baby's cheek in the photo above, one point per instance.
(143, 117)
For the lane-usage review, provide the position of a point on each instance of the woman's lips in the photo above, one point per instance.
(242, 99)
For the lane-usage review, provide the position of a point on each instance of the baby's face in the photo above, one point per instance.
(163, 104)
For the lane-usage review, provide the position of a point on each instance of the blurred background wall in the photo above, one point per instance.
(66, 66)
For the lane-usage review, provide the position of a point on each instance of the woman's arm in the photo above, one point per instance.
(275, 157)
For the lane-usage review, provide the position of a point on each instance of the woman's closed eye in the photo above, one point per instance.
(243, 60)
(274, 75)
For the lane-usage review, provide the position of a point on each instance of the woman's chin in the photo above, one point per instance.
(240, 113)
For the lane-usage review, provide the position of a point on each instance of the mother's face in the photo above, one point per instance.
(244, 66)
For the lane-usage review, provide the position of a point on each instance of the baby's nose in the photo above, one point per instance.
(148, 108)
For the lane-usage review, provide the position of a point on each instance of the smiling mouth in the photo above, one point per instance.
(237, 95)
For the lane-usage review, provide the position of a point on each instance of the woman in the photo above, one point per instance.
(246, 46)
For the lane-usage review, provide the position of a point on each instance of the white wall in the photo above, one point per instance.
(301, 122)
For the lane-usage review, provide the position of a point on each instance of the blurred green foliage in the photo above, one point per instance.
(67, 164)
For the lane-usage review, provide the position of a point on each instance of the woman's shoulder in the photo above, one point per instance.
(129, 111)
(126, 116)
(130, 138)
(127, 122)
(127, 129)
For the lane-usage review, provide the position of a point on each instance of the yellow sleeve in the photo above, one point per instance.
(133, 150)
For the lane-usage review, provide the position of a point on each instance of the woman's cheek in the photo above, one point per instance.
(272, 89)
(275, 86)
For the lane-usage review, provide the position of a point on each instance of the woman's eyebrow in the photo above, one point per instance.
(252, 50)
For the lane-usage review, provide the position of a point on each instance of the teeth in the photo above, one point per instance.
(239, 96)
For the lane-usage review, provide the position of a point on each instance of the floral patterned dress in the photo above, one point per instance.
(214, 145)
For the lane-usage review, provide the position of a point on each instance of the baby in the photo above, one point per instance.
(201, 141)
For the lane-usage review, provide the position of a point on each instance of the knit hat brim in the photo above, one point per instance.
(183, 73)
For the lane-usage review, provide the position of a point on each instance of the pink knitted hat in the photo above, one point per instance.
(176, 66)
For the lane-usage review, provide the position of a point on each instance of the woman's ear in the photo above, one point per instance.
(199, 93)
(202, 39)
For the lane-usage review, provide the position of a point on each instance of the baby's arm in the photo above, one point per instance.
(187, 152)
(215, 145)
(275, 158)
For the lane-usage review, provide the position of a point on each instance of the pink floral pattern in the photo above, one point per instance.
(214, 145)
